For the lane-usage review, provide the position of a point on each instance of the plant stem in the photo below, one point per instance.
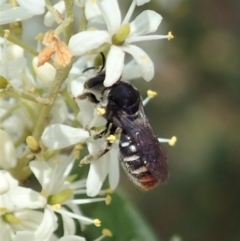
(61, 75)
(18, 42)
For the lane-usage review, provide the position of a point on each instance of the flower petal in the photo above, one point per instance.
(72, 238)
(111, 13)
(59, 136)
(98, 169)
(4, 183)
(145, 64)
(14, 15)
(96, 176)
(92, 12)
(47, 226)
(141, 2)
(46, 73)
(114, 172)
(26, 198)
(7, 151)
(146, 22)
(131, 71)
(87, 40)
(32, 6)
(77, 86)
(114, 65)
(15, 67)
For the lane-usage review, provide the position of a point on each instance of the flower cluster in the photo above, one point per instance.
(42, 129)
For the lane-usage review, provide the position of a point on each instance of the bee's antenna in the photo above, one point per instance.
(94, 67)
(85, 70)
(103, 62)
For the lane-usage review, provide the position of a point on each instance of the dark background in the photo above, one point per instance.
(198, 81)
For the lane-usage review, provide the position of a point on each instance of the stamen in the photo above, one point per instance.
(101, 111)
(108, 199)
(89, 200)
(170, 36)
(107, 232)
(129, 13)
(106, 191)
(56, 207)
(151, 94)
(33, 145)
(96, 222)
(171, 141)
(111, 138)
(6, 33)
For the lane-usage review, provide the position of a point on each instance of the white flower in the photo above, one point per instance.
(145, 23)
(8, 156)
(43, 231)
(26, 9)
(45, 73)
(16, 204)
(58, 136)
(108, 164)
(58, 191)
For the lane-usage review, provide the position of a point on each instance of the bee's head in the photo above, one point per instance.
(125, 96)
(95, 83)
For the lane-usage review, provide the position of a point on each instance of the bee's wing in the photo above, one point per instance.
(147, 144)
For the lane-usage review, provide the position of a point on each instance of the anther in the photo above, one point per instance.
(111, 138)
(108, 199)
(151, 94)
(172, 141)
(170, 36)
(106, 232)
(97, 222)
(101, 111)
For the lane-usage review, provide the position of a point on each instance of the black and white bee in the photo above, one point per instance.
(140, 154)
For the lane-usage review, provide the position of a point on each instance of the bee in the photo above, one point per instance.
(140, 152)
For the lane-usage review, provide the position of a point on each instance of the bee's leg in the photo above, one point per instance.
(90, 96)
(103, 132)
(89, 158)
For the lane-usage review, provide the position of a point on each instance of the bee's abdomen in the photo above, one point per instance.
(134, 166)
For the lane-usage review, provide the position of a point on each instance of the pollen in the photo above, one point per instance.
(108, 199)
(56, 206)
(97, 222)
(101, 111)
(151, 94)
(111, 138)
(170, 36)
(106, 232)
(144, 58)
(172, 141)
(6, 33)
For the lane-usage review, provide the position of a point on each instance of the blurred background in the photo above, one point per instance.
(198, 82)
